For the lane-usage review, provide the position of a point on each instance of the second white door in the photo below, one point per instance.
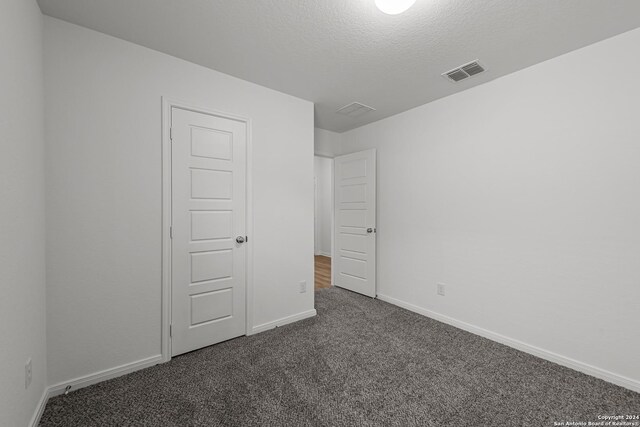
(354, 260)
(208, 190)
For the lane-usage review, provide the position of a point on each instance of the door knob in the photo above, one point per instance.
(369, 230)
(239, 239)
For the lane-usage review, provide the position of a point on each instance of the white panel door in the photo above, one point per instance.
(208, 192)
(354, 260)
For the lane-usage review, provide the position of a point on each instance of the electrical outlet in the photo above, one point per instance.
(27, 373)
(303, 286)
(441, 287)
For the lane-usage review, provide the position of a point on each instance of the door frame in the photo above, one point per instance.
(167, 105)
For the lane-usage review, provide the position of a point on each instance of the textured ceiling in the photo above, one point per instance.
(334, 52)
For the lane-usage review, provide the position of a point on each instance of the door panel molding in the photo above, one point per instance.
(167, 105)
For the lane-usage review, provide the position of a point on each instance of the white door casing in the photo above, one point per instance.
(208, 213)
(355, 222)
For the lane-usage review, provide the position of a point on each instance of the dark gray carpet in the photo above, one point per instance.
(359, 362)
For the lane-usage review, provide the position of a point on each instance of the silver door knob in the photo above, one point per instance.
(369, 230)
(239, 239)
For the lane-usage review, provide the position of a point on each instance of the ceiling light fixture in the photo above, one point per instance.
(394, 7)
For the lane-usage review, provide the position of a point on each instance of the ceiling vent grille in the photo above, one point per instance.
(355, 109)
(464, 71)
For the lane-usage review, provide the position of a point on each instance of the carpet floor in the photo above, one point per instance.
(360, 362)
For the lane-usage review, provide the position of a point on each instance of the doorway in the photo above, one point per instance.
(345, 222)
(323, 221)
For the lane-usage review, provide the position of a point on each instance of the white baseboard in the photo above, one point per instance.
(107, 374)
(35, 419)
(283, 321)
(594, 371)
(88, 380)
(327, 254)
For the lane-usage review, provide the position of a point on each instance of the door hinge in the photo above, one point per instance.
(170, 134)
(170, 331)
(171, 232)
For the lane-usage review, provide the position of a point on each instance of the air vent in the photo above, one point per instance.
(355, 109)
(464, 72)
(457, 75)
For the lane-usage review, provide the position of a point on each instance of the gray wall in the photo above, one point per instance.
(103, 130)
(22, 235)
(521, 196)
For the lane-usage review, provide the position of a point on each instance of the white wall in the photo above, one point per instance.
(327, 143)
(103, 105)
(324, 205)
(521, 195)
(22, 235)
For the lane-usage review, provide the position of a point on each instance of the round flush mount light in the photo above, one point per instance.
(394, 7)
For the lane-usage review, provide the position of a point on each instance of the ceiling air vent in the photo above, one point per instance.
(355, 109)
(464, 72)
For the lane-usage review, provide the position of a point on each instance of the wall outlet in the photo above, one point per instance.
(27, 373)
(303, 286)
(441, 287)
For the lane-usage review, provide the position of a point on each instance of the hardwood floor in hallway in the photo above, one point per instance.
(323, 272)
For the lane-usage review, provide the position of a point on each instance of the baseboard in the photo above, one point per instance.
(88, 380)
(594, 371)
(327, 254)
(283, 321)
(107, 374)
(35, 419)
